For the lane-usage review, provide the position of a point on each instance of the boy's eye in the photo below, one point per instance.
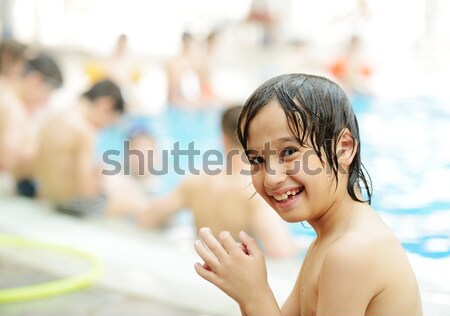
(288, 152)
(255, 160)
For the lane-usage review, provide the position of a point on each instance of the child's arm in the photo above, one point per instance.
(292, 305)
(11, 142)
(87, 173)
(241, 275)
(164, 207)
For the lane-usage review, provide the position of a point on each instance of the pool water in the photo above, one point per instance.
(405, 148)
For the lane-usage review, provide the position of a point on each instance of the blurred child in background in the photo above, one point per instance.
(20, 103)
(66, 170)
(222, 199)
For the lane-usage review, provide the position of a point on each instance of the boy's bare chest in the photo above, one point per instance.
(309, 281)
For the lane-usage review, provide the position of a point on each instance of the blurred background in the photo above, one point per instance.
(179, 64)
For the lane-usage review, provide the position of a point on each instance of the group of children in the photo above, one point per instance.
(188, 73)
(303, 152)
(59, 164)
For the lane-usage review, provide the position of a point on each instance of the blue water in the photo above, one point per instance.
(405, 147)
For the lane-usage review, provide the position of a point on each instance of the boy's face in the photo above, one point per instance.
(291, 178)
(104, 112)
(38, 91)
(108, 118)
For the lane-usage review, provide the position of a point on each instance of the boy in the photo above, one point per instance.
(19, 103)
(65, 168)
(302, 139)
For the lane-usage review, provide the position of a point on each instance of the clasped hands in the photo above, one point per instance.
(238, 269)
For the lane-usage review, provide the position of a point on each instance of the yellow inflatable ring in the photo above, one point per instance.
(51, 288)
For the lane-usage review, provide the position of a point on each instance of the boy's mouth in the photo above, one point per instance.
(288, 195)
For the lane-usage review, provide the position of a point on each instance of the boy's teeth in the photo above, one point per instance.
(284, 196)
(281, 197)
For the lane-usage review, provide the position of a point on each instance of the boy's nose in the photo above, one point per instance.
(275, 174)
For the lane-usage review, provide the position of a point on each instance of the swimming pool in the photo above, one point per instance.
(405, 148)
(411, 193)
(408, 154)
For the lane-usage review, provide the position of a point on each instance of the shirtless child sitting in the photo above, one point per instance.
(24, 90)
(225, 201)
(65, 168)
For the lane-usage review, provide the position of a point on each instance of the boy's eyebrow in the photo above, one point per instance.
(278, 140)
(287, 139)
(284, 139)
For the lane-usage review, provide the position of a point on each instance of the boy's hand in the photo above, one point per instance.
(242, 246)
(238, 269)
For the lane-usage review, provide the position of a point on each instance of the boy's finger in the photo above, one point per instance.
(249, 243)
(205, 274)
(210, 260)
(229, 243)
(211, 242)
(206, 266)
(243, 248)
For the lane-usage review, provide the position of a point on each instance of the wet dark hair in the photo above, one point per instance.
(317, 110)
(47, 67)
(229, 122)
(105, 88)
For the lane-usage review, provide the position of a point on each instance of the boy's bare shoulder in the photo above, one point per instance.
(74, 123)
(363, 244)
(68, 128)
(363, 251)
(370, 256)
(351, 247)
(353, 259)
(366, 234)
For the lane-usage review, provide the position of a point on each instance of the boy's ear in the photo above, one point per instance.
(346, 148)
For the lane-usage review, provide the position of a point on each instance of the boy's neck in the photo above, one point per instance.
(337, 217)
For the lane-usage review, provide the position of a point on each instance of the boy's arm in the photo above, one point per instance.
(348, 279)
(88, 175)
(292, 305)
(10, 140)
(164, 207)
